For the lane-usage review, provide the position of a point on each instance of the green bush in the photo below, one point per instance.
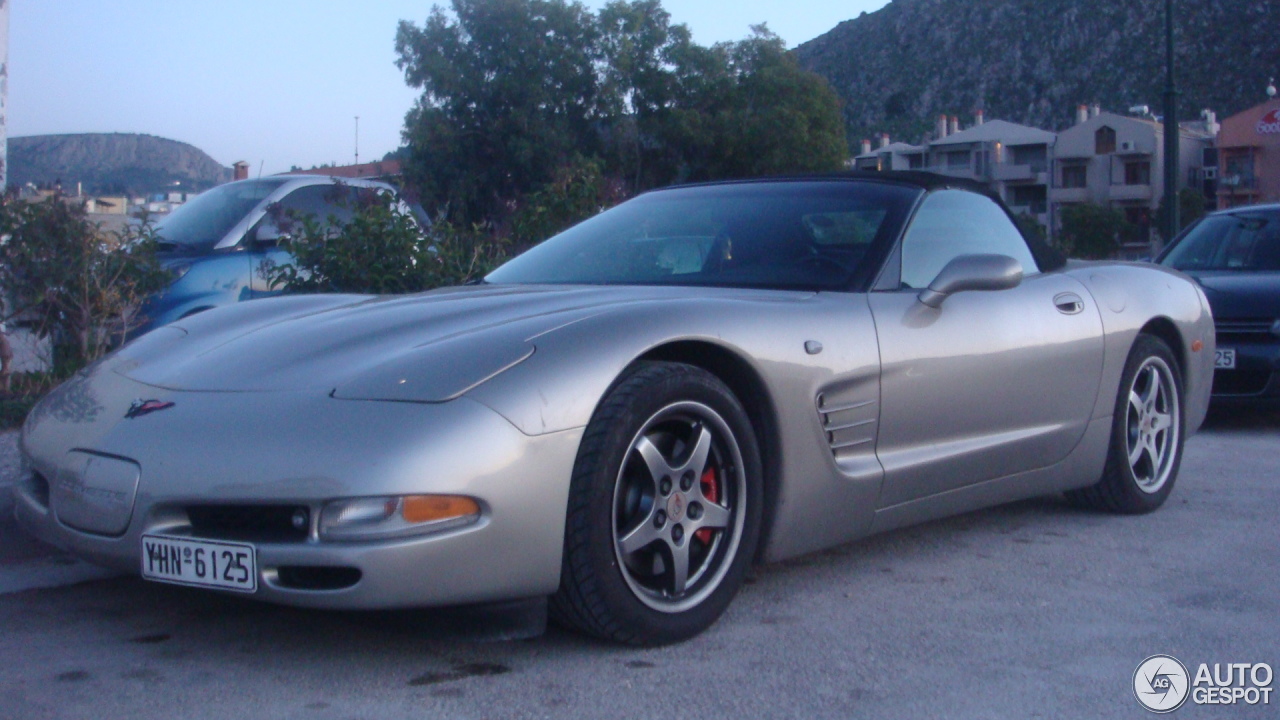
(72, 282)
(382, 249)
(1090, 231)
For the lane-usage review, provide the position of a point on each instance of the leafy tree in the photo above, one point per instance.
(517, 94)
(1090, 231)
(71, 281)
(778, 117)
(508, 91)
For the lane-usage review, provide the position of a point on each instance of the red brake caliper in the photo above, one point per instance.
(710, 491)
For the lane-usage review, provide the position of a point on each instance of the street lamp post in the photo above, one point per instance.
(1171, 154)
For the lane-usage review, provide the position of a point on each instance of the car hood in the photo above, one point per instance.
(1241, 295)
(426, 347)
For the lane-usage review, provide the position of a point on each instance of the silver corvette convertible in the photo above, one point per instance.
(627, 416)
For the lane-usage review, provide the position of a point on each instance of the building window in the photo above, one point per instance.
(915, 162)
(1104, 141)
(958, 159)
(1137, 173)
(1074, 176)
(1037, 156)
(1031, 197)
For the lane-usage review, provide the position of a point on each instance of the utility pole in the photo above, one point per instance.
(1171, 153)
(357, 139)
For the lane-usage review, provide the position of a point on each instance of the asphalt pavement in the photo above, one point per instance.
(1030, 610)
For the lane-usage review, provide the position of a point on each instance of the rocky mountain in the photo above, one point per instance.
(1034, 61)
(108, 163)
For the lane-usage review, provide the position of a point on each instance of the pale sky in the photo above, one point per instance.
(273, 82)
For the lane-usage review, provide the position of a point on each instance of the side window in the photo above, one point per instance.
(321, 201)
(955, 222)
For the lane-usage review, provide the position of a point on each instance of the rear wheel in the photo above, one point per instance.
(664, 508)
(1146, 434)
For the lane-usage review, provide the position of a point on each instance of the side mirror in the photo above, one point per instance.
(972, 272)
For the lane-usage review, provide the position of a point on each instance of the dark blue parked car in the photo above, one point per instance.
(1235, 255)
(215, 243)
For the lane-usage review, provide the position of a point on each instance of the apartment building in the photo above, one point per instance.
(1013, 159)
(1118, 161)
(889, 156)
(1249, 156)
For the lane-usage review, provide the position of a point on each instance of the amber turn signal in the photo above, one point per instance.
(433, 508)
(1197, 346)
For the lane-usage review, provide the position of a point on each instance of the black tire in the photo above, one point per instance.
(633, 515)
(1143, 412)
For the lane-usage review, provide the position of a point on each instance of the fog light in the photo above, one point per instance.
(390, 517)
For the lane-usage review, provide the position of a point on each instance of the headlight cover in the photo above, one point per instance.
(387, 517)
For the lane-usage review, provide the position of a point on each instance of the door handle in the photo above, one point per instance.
(1068, 303)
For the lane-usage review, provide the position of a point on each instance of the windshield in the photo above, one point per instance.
(783, 235)
(1244, 241)
(199, 224)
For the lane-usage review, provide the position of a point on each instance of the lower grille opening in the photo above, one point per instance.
(263, 523)
(1240, 382)
(301, 577)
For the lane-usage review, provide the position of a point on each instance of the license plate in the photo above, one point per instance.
(202, 563)
(1224, 359)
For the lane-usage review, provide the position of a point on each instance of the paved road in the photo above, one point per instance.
(1025, 611)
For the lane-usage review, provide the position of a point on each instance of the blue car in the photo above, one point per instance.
(215, 244)
(1235, 256)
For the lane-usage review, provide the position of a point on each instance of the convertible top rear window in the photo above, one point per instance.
(781, 235)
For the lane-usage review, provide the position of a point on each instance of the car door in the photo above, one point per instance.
(991, 383)
(329, 203)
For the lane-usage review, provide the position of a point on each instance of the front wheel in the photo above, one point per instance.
(664, 508)
(1146, 436)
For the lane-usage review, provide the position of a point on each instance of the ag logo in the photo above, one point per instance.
(1160, 683)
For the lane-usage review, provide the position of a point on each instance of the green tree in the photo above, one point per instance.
(517, 94)
(779, 118)
(1090, 231)
(508, 92)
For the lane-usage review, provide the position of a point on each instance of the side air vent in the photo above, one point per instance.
(849, 420)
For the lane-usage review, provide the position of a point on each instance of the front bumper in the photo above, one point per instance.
(304, 449)
(1256, 377)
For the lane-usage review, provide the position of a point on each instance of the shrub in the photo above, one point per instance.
(382, 249)
(71, 281)
(1091, 231)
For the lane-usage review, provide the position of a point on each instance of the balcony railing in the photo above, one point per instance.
(1131, 192)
